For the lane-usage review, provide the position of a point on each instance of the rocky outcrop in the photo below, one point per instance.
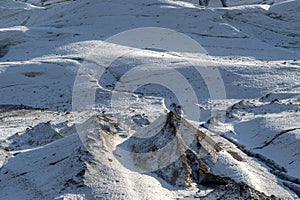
(182, 155)
(236, 191)
(178, 153)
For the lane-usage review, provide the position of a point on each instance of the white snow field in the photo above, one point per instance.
(71, 127)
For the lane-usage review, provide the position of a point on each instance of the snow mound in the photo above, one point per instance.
(39, 135)
(46, 173)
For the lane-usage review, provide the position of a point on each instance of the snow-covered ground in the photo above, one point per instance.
(60, 137)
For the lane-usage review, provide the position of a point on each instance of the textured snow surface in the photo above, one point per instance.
(255, 45)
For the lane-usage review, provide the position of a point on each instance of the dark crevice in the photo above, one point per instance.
(54, 163)
(275, 137)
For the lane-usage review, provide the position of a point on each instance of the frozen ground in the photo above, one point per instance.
(255, 46)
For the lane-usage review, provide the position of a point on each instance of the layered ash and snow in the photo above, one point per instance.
(254, 45)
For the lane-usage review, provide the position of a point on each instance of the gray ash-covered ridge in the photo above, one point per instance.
(196, 153)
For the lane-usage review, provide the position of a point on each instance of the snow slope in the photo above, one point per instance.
(254, 45)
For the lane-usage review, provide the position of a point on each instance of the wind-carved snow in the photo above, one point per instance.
(255, 46)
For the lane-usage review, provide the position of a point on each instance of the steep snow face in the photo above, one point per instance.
(254, 44)
(259, 124)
